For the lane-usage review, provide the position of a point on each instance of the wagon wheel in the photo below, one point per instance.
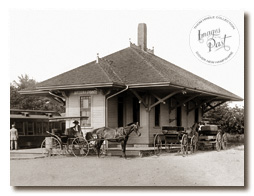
(218, 141)
(184, 145)
(157, 145)
(193, 144)
(55, 149)
(224, 141)
(80, 147)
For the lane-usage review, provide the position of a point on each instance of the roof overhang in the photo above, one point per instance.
(194, 90)
(44, 91)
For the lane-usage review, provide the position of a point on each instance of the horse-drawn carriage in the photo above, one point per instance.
(175, 138)
(70, 142)
(211, 136)
(76, 143)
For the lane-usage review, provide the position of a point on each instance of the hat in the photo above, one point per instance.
(75, 122)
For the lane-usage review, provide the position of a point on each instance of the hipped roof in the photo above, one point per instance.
(132, 66)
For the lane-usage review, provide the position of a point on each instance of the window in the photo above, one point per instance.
(30, 128)
(157, 115)
(38, 128)
(85, 111)
(45, 126)
(19, 127)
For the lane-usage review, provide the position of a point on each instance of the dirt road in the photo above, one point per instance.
(206, 168)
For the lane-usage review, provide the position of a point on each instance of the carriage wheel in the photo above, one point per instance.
(218, 146)
(224, 141)
(218, 142)
(184, 147)
(56, 148)
(80, 147)
(193, 146)
(157, 145)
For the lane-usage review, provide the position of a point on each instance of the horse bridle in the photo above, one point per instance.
(133, 127)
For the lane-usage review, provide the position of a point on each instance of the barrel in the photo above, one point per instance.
(48, 142)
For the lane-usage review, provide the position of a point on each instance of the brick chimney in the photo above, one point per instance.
(142, 36)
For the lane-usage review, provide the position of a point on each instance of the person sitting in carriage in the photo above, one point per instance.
(75, 130)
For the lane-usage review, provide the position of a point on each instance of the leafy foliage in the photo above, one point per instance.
(18, 101)
(231, 119)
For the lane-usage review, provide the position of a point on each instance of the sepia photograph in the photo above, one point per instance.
(93, 88)
(129, 98)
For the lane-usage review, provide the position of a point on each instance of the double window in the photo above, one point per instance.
(85, 111)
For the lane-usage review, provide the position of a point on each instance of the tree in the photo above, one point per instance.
(231, 119)
(25, 82)
(18, 101)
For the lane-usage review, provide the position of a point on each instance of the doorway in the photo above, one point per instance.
(136, 110)
(179, 116)
(120, 109)
(196, 115)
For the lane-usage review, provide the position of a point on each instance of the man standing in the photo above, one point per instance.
(14, 137)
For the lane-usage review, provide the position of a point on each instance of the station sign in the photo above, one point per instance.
(86, 92)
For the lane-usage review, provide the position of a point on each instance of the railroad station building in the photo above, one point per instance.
(133, 85)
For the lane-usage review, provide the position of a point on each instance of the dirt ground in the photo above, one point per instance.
(205, 168)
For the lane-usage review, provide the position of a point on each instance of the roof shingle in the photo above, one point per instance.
(132, 66)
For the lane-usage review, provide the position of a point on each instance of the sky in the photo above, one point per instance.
(46, 43)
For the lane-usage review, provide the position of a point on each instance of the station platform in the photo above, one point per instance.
(35, 153)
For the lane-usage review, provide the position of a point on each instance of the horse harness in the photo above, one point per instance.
(122, 133)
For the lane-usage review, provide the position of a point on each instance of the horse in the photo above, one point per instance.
(120, 135)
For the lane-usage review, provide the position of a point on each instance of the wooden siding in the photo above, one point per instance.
(97, 109)
(147, 118)
(72, 108)
(144, 129)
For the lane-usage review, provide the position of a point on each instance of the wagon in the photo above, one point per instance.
(211, 136)
(58, 143)
(171, 139)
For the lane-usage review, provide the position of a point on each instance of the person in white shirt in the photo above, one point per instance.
(14, 137)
